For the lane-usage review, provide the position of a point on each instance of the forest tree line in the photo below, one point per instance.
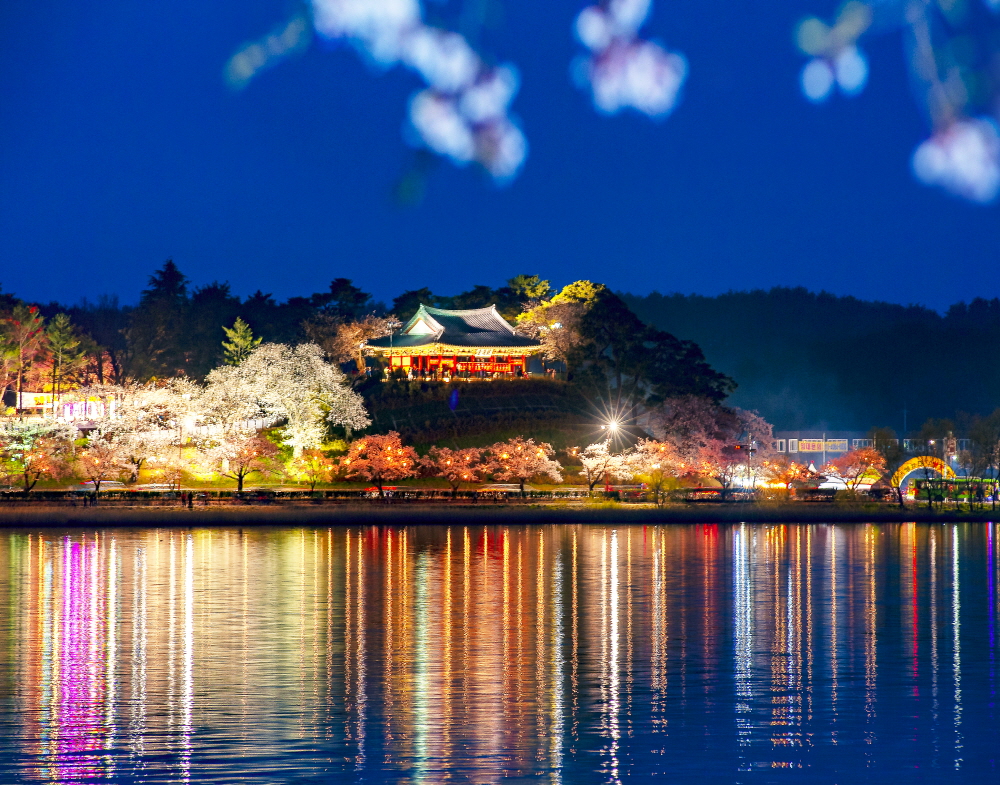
(180, 331)
(815, 360)
(801, 359)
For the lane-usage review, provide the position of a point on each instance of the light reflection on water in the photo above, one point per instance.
(479, 654)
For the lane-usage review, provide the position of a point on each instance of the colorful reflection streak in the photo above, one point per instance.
(477, 655)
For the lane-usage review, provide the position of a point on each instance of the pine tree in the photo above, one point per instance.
(26, 336)
(241, 342)
(65, 352)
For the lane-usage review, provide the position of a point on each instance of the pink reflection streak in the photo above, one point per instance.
(77, 730)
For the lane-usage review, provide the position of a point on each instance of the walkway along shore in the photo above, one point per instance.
(470, 515)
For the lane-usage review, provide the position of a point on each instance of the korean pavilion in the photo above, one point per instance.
(473, 343)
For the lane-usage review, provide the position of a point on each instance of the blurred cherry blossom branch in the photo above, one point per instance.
(953, 56)
(622, 70)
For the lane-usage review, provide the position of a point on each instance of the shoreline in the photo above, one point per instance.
(410, 514)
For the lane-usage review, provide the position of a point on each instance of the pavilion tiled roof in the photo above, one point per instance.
(473, 328)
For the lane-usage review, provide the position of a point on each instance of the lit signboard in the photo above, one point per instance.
(816, 445)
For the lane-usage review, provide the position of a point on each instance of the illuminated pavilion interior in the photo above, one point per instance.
(466, 344)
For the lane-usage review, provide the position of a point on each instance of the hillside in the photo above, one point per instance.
(817, 360)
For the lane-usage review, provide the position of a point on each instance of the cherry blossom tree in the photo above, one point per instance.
(455, 466)
(238, 455)
(145, 420)
(658, 465)
(345, 340)
(859, 467)
(783, 471)
(31, 451)
(380, 459)
(556, 322)
(723, 461)
(102, 459)
(519, 459)
(279, 382)
(599, 463)
(692, 424)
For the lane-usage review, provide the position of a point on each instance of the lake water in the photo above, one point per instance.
(576, 654)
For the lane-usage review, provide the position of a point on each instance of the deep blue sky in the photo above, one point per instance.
(121, 146)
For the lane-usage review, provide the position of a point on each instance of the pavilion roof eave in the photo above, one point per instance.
(447, 349)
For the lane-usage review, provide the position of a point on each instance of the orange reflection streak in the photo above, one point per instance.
(871, 628)
(575, 663)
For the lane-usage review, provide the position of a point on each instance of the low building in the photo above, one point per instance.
(819, 446)
(467, 344)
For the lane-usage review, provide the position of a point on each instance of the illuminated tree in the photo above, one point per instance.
(278, 382)
(519, 460)
(657, 465)
(26, 338)
(31, 451)
(240, 344)
(983, 455)
(145, 420)
(599, 463)
(784, 471)
(556, 323)
(455, 466)
(724, 461)
(102, 459)
(379, 460)
(725, 439)
(312, 466)
(859, 467)
(345, 340)
(529, 287)
(238, 455)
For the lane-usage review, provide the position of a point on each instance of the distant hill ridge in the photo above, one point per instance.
(806, 359)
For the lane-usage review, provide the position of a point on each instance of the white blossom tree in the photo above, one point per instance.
(31, 451)
(279, 382)
(103, 458)
(145, 420)
(657, 464)
(599, 463)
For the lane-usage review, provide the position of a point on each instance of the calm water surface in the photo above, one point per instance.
(601, 654)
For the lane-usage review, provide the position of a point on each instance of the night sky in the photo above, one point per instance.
(121, 146)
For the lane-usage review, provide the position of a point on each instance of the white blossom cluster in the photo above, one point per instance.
(622, 70)
(964, 158)
(836, 59)
(462, 114)
(291, 383)
(846, 69)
